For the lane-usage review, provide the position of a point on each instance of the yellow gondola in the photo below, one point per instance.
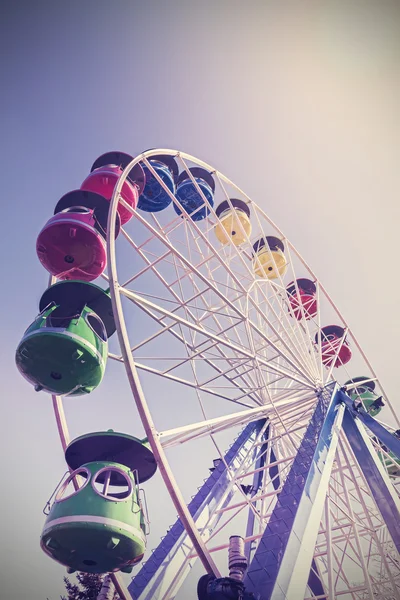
(234, 222)
(269, 259)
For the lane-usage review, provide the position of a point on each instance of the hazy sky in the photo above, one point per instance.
(296, 102)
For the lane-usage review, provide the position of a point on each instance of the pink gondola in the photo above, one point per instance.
(104, 175)
(72, 244)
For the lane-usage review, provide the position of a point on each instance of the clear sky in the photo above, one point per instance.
(296, 102)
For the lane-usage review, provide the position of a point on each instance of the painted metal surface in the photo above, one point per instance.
(391, 441)
(63, 432)
(234, 224)
(256, 486)
(167, 566)
(154, 198)
(363, 390)
(192, 201)
(70, 247)
(281, 565)
(270, 264)
(314, 579)
(63, 355)
(379, 483)
(136, 388)
(96, 530)
(102, 181)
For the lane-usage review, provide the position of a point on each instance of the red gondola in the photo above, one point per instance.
(331, 339)
(302, 299)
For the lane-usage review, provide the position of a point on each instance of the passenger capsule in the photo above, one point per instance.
(72, 244)
(64, 351)
(154, 197)
(362, 390)
(331, 339)
(189, 198)
(302, 299)
(268, 258)
(392, 463)
(234, 222)
(101, 526)
(388, 458)
(104, 175)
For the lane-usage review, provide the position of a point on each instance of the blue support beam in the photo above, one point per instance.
(379, 483)
(257, 485)
(314, 579)
(281, 565)
(167, 562)
(387, 438)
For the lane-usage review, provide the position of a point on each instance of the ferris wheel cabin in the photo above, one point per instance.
(101, 526)
(189, 198)
(72, 244)
(269, 261)
(234, 222)
(390, 460)
(363, 390)
(64, 351)
(334, 349)
(104, 175)
(154, 197)
(392, 464)
(302, 299)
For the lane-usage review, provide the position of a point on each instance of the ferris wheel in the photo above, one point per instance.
(214, 307)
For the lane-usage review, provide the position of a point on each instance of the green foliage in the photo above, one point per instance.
(87, 588)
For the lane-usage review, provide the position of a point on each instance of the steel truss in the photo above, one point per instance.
(313, 533)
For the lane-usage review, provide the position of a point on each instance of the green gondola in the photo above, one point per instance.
(389, 459)
(100, 527)
(64, 351)
(392, 464)
(364, 392)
